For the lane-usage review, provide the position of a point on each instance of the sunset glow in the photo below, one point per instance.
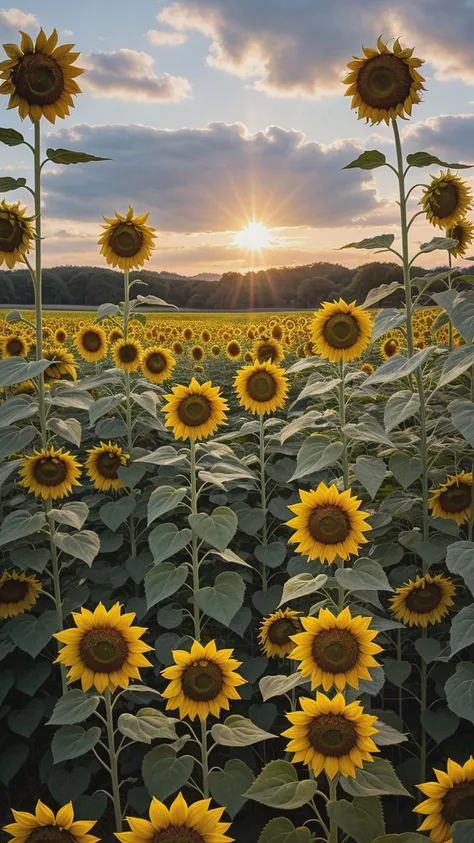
(253, 237)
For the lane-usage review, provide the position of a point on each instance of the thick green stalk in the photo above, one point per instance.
(263, 497)
(204, 760)
(113, 760)
(195, 552)
(128, 403)
(38, 280)
(342, 422)
(332, 822)
(404, 233)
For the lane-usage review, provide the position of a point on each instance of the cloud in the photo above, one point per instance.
(298, 47)
(161, 38)
(448, 136)
(127, 73)
(211, 179)
(15, 19)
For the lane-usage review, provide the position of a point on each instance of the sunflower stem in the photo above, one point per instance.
(263, 498)
(57, 590)
(450, 324)
(204, 760)
(332, 823)
(195, 550)
(113, 760)
(38, 281)
(342, 422)
(128, 403)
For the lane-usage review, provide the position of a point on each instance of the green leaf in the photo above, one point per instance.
(428, 648)
(11, 759)
(365, 575)
(17, 409)
(382, 241)
(164, 773)
(462, 417)
(229, 785)
(276, 686)
(440, 723)
(368, 160)
(462, 831)
(239, 731)
(163, 581)
(460, 691)
(277, 786)
(224, 599)
(6, 469)
(30, 680)
(317, 452)
(438, 243)
(301, 585)
(73, 741)
(398, 367)
(314, 388)
(216, 529)
(387, 735)
(370, 472)
(23, 721)
(19, 524)
(166, 540)
(8, 183)
(72, 514)
(306, 421)
(397, 672)
(361, 819)
(67, 785)
(405, 468)
(379, 293)
(282, 830)
(148, 724)
(425, 159)
(166, 455)
(462, 630)
(386, 320)
(68, 429)
(84, 545)
(31, 635)
(375, 778)
(11, 137)
(16, 369)
(399, 407)
(102, 406)
(74, 707)
(131, 474)
(456, 363)
(272, 555)
(163, 499)
(67, 156)
(367, 430)
(113, 514)
(460, 560)
(15, 440)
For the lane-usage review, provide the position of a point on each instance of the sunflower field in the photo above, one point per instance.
(237, 555)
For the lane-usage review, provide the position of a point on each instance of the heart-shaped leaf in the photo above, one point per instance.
(216, 529)
(222, 600)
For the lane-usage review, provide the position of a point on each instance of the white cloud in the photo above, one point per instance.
(161, 38)
(15, 19)
(448, 136)
(68, 32)
(123, 74)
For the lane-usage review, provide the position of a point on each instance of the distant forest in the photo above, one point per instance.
(283, 287)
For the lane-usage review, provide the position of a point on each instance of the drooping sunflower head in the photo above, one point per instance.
(203, 681)
(114, 335)
(40, 77)
(261, 388)
(181, 823)
(44, 826)
(127, 241)
(195, 411)
(24, 388)
(104, 650)
(335, 649)
(233, 350)
(157, 364)
(463, 232)
(60, 336)
(50, 473)
(197, 353)
(91, 343)
(450, 799)
(328, 523)
(16, 233)
(127, 354)
(423, 601)
(384, 84)
(62, 365)
(446, 200)
(102, 466)
(14, 346)
(268, 351)
(341, 331)
(330, 735)
(389, 347)
(452, 501)
(367, 368)
(18, 593)
(276, 631)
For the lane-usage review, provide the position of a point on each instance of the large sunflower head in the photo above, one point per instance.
(268, 351)
(330, 735)
(341, 331)
(181, 823)
(463, 232)
(328, 523)
(103, 650)
(384, 84)
(157, 364)
(446, 200)
(335, 649)
(450, 799)
(423, 601)
(62, 365)
(233, 350)
(195, 411)
(44, 826)
(202, 681)
(261, 388)
(452, 501)
(91, 343)
(102, 466)
(127, 354)
(127, 241)
(14, 346)
(276, 631)
(50, 473)
(18, 593)
(16, 233)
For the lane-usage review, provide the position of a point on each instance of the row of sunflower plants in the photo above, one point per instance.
(293, 694)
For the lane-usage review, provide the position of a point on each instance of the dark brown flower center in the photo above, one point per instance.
(108, 464)
(14, 346)
(91, 341)
(332, 734)
(458, 803)
(335, 650)
(12, 591)
(341, 331)
(198, 353)
(456, 498)
(202, 681)
(128, 353)
(329, 525)
(174, 834)
(60, 335)
(38, 78)
(424, 599)
(126, 240)
(384, 81)
(444, 200)
(281, 629)
(50, 834)
(233, 349)
(103, 650)
(156, 362)
(49, 471)
(261, 386)
(115, 335)
(11, 233)
(194, 410)
(390, 348)
(267, 352)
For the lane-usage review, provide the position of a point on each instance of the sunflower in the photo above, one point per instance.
(50, 473)
(157, 364)
(335, 649)
(16, 233)
(177, 347)
(450, 799)
(14, 346)
(197, 353)
(268, 351)
(44, 826)
(341, 331)
(18, 593)
(194, 411)
(277, 331)
(261, 388)
(248, 357)
(367, 368)
(328, 523)
(62, 365)
(24, 388)
(215, 350)
(127, 354)
(276, 631)
(102, 466)
(453, 498)
(60, 336)
(114, 335)
(389, 348)
(330, 735)
(127, 241)
(188, 334)
(91, 343)
(104, 650)
(233, 350)
(202, 681)
(384, 84)
(423, 601)
(463, 232)
(446, 200)
(182, 823)
(205, 336)
(199, 369)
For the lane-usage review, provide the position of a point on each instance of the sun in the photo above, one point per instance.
(253, 237)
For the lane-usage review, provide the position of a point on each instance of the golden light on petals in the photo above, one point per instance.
(261, 388)
(452, 500)
(102, 466)
(195, 411)
(277, 631)
(423, 601)
(16, 233)
(181, 823)
(44, 826)
(157, 364)
(127, 241)
(50, 473)
(91, 343)
(341, 331)
(450, 799)
(446, 200)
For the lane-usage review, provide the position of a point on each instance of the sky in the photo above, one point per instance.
(221, 113)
